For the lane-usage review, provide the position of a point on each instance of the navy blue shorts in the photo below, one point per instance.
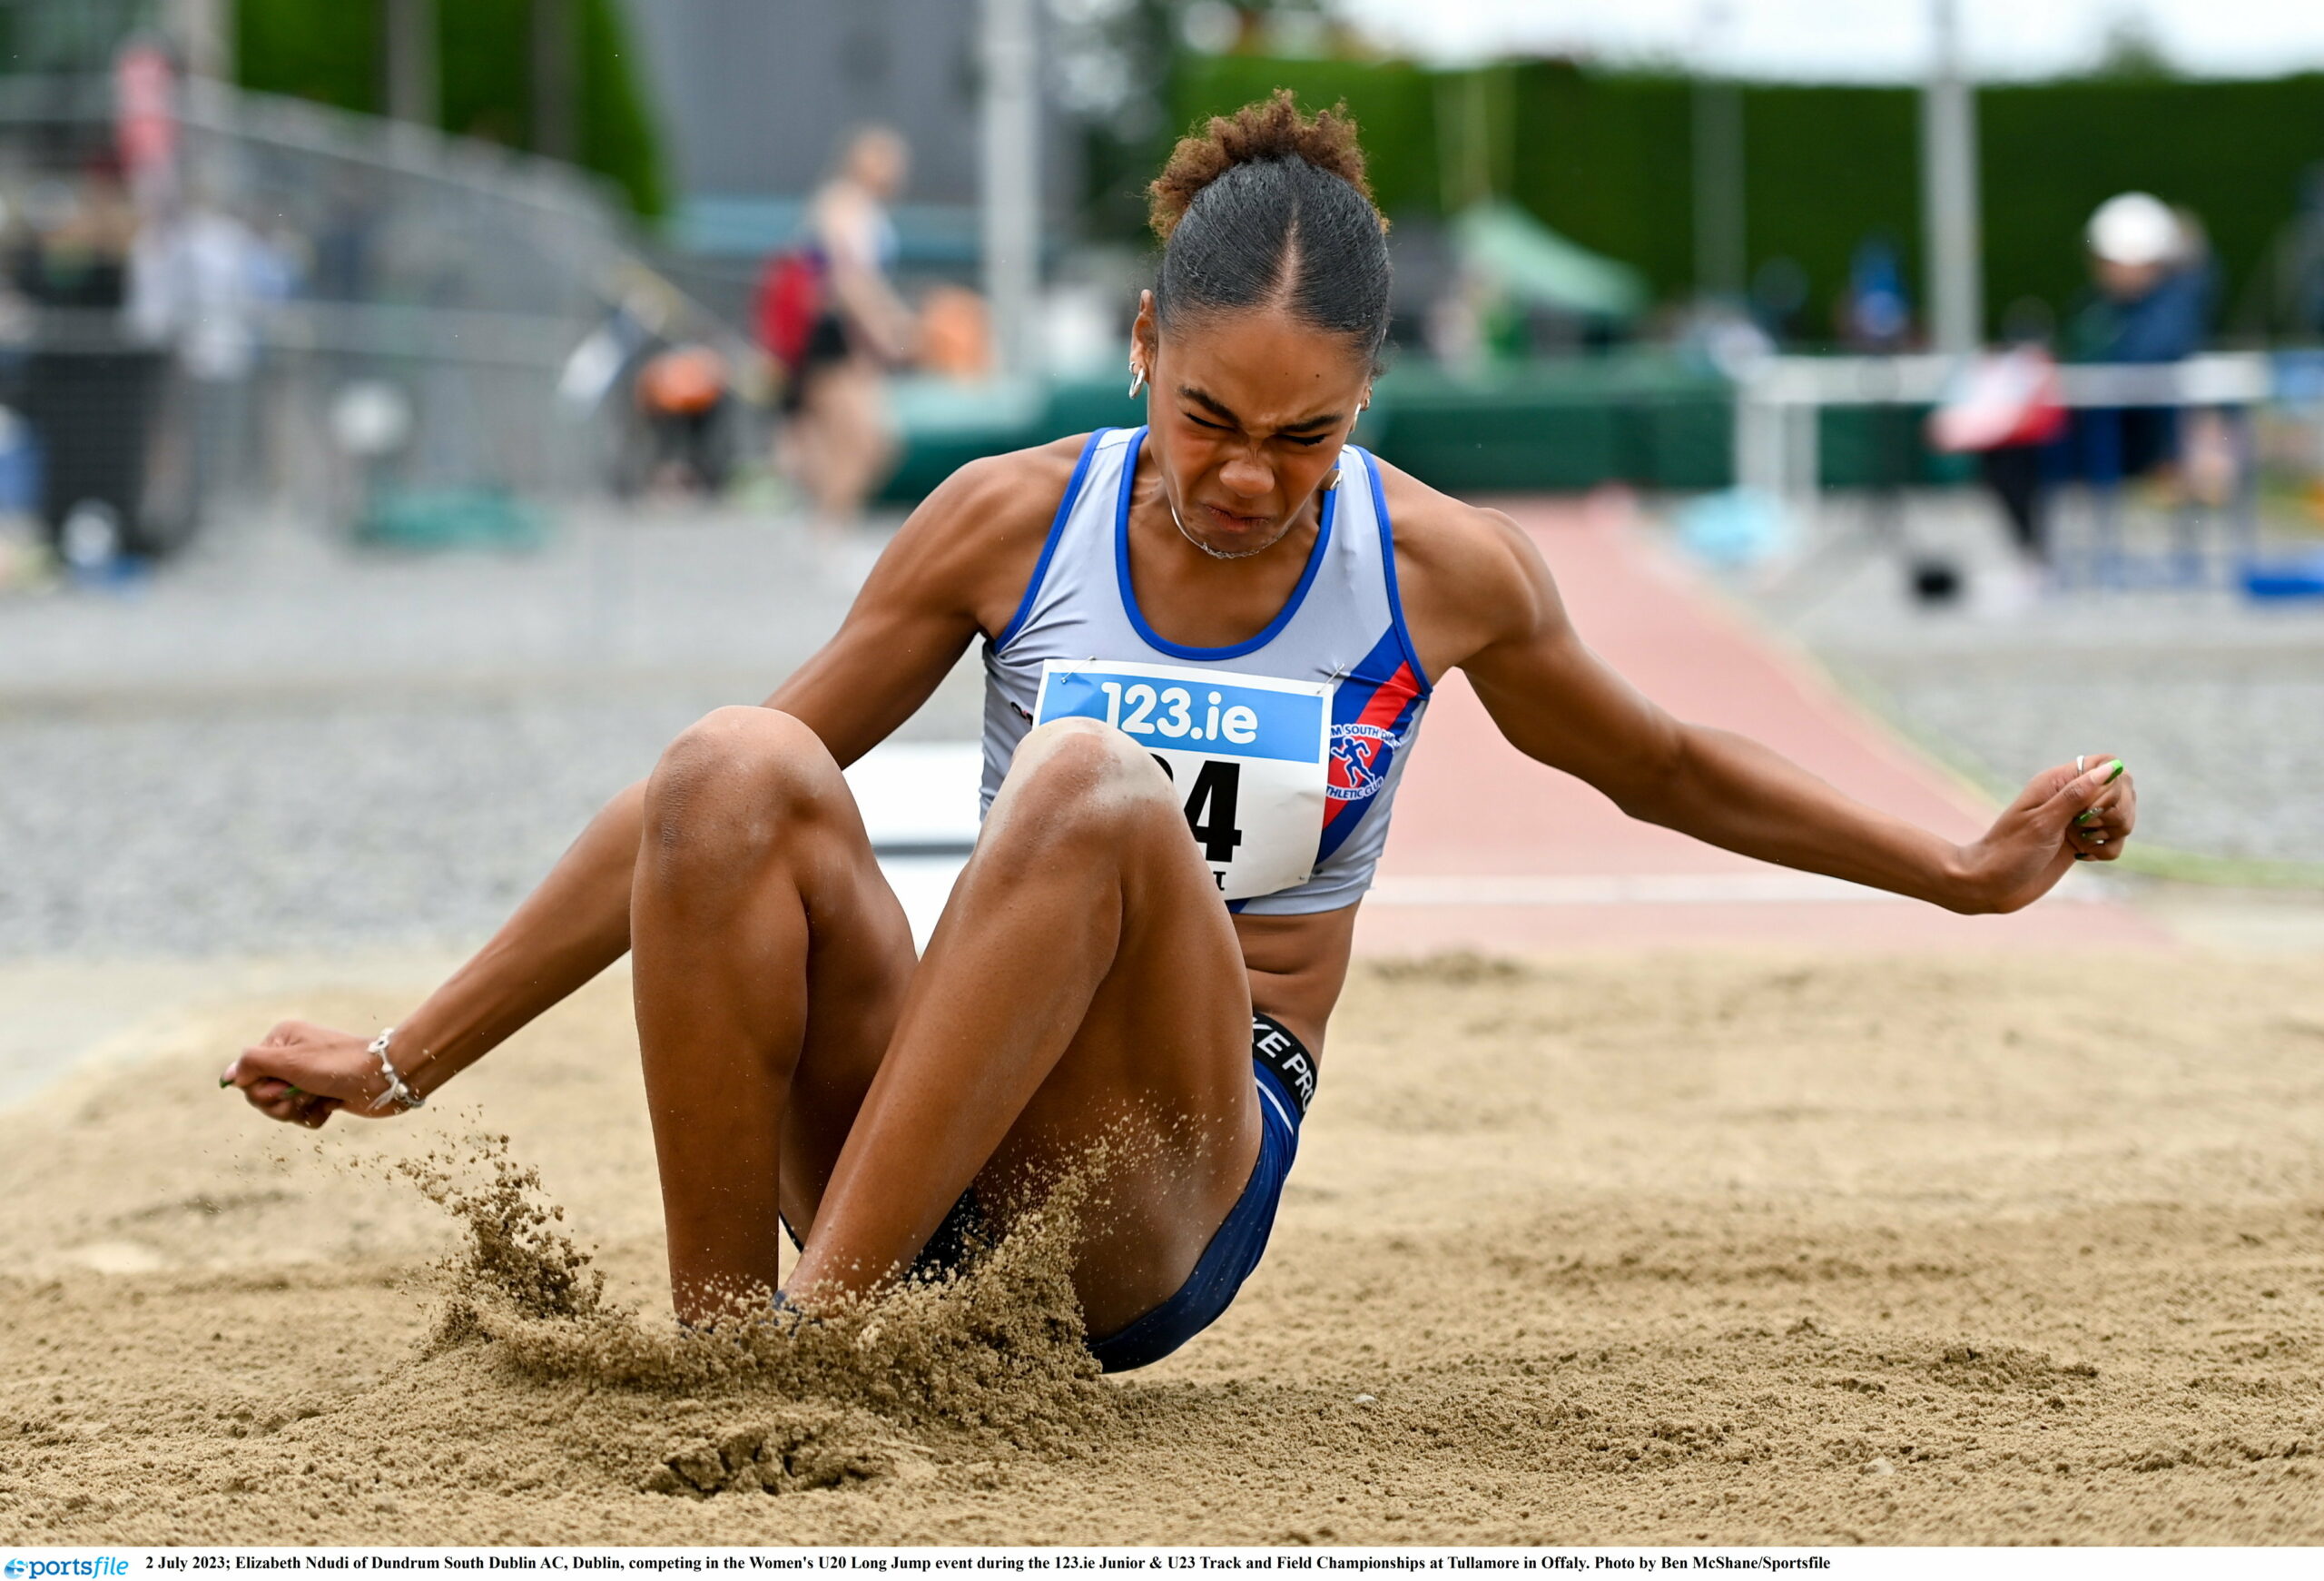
(1285, 1074)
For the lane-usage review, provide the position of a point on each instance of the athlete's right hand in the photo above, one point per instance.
(302, 1074)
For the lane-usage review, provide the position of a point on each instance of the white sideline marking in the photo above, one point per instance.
(923, 883)
(920, 806)
(919, 793)
(1639, 889)
(919, 801)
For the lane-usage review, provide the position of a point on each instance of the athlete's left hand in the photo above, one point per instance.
(2062, 816)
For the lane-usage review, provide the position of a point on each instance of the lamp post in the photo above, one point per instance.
(1719, 255)
(408, 37)
(1949, 190)
(556, 118)
(1010, 220)
(204, 31)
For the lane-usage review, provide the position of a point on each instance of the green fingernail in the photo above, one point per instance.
(225, 1081)
(2114, 776)
(2089, 817)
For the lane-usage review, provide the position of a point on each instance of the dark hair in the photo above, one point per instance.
(1269, 208)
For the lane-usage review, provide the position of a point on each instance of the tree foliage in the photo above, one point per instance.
(330, 51)
(1607, 158)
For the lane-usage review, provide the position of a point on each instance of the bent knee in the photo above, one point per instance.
(739, 774)
(1079, 759)
(1078, 778)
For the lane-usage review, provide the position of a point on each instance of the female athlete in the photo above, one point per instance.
(1207, 644)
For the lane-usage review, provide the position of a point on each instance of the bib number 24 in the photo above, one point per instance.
(1246, 753)
(1210, 808)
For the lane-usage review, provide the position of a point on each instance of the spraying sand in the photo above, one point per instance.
(1682, 1249)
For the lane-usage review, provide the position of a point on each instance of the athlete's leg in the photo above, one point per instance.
(854, 448)
(1084, 983)
(770, 960)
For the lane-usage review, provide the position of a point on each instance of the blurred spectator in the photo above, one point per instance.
(89, 393)
(1779, 293)
(1876, 319)
(2153, 289)
(74, 252)
(2151, 268)
(2305, 260)
(1455, 328)
(1875, 314)
(829, 315)
(2003, 407)
(199, 279)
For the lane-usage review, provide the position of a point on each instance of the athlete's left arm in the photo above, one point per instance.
(1558, 703)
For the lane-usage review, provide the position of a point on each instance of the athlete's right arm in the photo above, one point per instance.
(572, 928)
(958, 567)
(957, 570)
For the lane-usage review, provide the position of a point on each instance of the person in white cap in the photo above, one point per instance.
(2152, 270)
(2135, 240)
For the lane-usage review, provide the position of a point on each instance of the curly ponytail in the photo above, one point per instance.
(1269, 207)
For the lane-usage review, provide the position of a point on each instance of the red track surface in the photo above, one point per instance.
(1492, 851)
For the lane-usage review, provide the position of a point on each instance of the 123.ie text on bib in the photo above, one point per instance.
(1249, 756)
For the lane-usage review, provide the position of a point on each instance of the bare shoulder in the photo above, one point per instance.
(974, 540)
(1468, 576)
(993, 502)
(1022, 477)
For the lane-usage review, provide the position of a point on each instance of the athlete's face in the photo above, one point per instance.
(1247, 412)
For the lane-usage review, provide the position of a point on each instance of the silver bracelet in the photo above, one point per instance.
(402, 1097)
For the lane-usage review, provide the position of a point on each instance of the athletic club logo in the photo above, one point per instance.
(1360, 757)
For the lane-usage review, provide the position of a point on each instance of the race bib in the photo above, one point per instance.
(1249, 754)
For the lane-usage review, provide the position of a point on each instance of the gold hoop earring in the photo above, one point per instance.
(1137, 379)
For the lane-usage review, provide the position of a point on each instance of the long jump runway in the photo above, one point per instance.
(1492, 852)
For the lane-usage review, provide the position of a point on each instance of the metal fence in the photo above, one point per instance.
(1779, 404)
(299, 311)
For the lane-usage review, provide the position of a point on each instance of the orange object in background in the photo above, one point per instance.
(681, 381)
(955, 334)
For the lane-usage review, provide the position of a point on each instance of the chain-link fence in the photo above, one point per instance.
(247, 305)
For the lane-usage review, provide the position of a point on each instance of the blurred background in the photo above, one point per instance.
(411, 414)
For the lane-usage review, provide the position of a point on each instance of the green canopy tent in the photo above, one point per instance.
(1535, 266)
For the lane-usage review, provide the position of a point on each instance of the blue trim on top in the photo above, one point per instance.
(1388, 569)
(1147, 635)
(1048, 546)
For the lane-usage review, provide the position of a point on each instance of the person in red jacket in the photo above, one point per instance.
(828, 315)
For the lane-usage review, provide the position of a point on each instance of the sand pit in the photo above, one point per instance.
(1675, 1250)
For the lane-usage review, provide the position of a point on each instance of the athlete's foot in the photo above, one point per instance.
(787, 1315)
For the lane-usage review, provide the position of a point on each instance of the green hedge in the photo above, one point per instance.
(329, 51)
(1631, 417)
(1606, 158)
(1393, 102)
